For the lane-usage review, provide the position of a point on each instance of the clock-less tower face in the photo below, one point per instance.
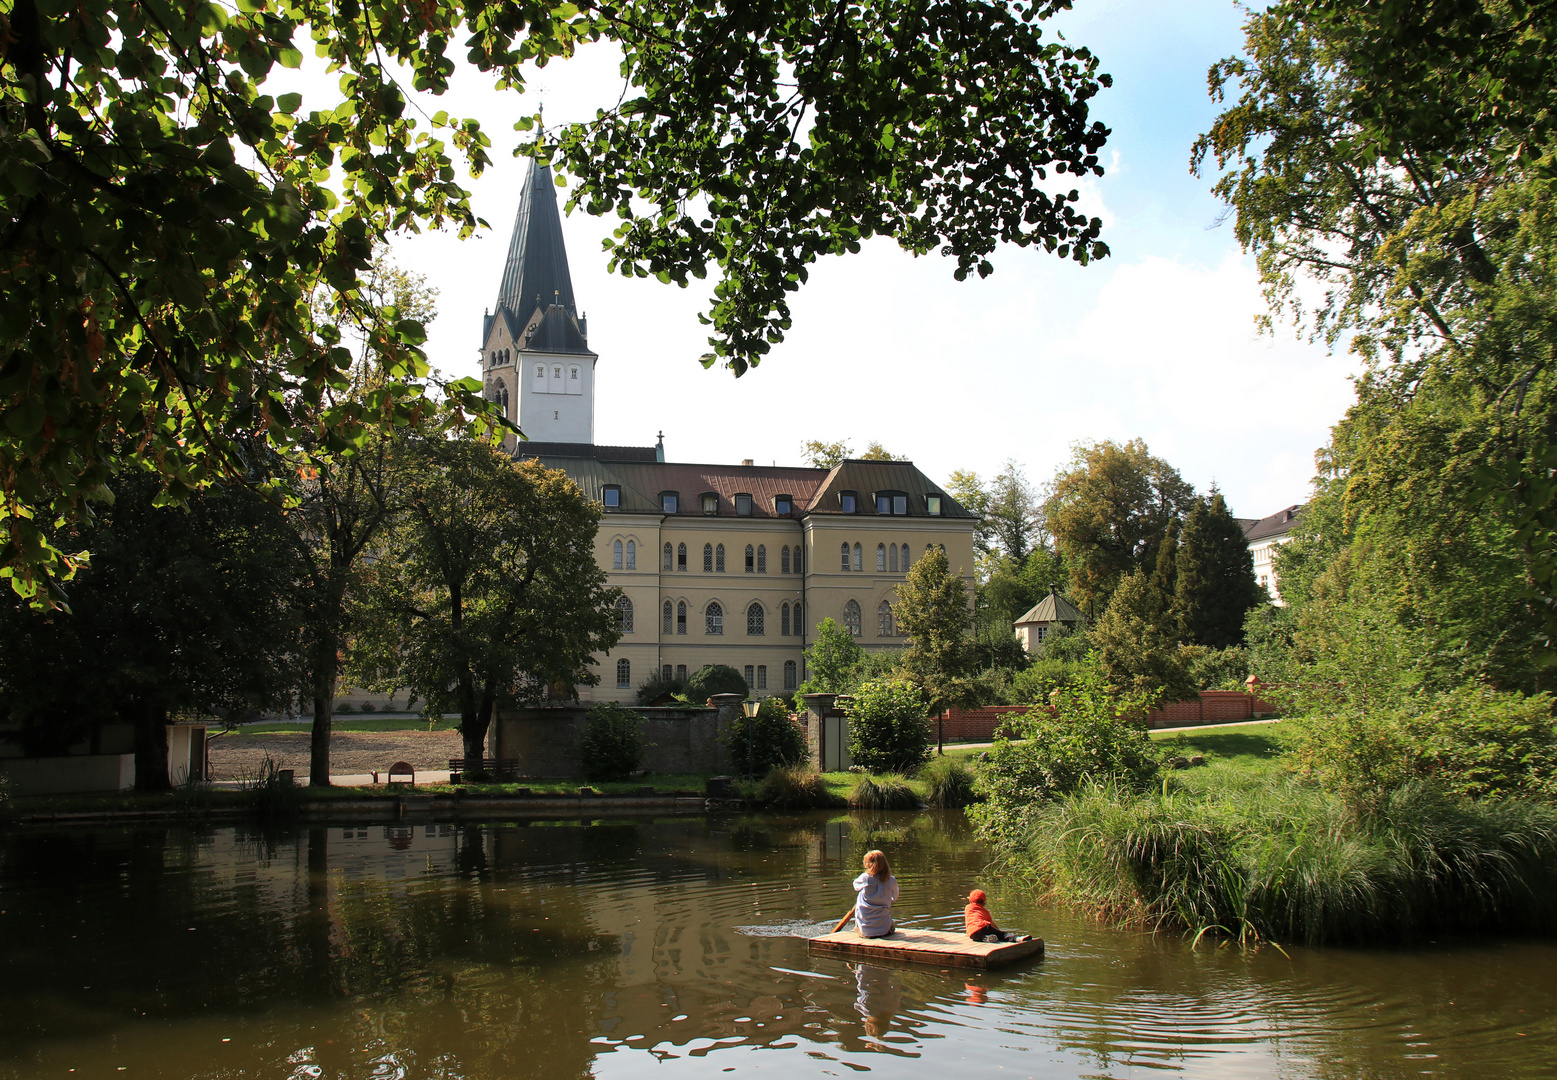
(536, 358)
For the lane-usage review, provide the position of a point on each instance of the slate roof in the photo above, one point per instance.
(1052, 609)
(1278, 524)
(537, 267)
(584, 450)
(865, 478)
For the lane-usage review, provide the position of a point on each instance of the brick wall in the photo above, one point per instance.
(1212, 707)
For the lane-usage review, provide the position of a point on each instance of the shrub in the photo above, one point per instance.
(1216, 669)
(1033, 686)
(1066, 644)
(270, 794)
(368, 706)
(775, 740)
(657, 686)
(797, 787)
(612, 746)
(715, 679)
(888, 728)
(882, 793)
(950, 783)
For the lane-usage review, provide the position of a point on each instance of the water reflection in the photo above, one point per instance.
(565, 949)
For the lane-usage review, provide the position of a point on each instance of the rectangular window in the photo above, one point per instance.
(743, 505)
(781, 505)
(710, 504)
(762, 676)
(750, 677)
(883, 504)
(846, 502)
(900, 504)
(613, 496)
(1041, 631)
(665, 673)
(668, 503)
(681, 672)
(932, 505)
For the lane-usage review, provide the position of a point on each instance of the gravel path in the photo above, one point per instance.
(234, 757)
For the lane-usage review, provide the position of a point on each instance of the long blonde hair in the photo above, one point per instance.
(876, 863)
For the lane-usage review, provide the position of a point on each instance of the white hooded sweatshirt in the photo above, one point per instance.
(873, 907)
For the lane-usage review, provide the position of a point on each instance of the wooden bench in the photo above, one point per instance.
(500, 769)
(402, 769)
(935, 947)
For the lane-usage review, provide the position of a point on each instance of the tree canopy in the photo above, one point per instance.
(165, 217)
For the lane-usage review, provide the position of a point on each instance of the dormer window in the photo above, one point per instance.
(611, 496)
(743, 506)
(783, 505)
(848, 502)
(710, 504)
(670, 502)
(932, 505)
(891, 502)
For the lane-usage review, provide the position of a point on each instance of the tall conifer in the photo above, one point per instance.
(1216, 585)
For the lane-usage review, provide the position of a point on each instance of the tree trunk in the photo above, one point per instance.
(151, 747)
(473, 727)
(326, 666)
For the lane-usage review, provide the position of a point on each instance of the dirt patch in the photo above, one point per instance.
(236, 756)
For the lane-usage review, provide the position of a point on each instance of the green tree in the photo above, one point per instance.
(175, 139)
(1109, 509)
(771, 740)
(832, 660)
(713, 679)
(1137, 645)
(1165, 575)
(934, 612)
(1010, 513)
(1214, 585)
(824, 455)
(876, 452)
(487, 589)
(183, 611)
(888, 730)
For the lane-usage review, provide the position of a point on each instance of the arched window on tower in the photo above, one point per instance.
(668, 555)
(624, 675)
(708, 558)
(784, 560)
(616, 554)
(798, 567)
(762, 558)
(851, 618)
(881, 558)
(668, 617)
(859, 558)
(784, 619)
(798, 626)
(681, 557)
(886, 626)
(681, 617)
(713, 618)
(844, 554)
(751, 559)
(632, 555)
(754, 620)
(905, 558)
(624, 615)
(719, 558)
(892, 558)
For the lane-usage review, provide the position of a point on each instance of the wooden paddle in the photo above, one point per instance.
(845, 920)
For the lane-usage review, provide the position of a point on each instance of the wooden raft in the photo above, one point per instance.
(935, 947)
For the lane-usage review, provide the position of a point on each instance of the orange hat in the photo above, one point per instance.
(976, 896)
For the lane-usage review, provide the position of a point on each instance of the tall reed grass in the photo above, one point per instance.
(948, 783)
(1264, 857)
(797, 787)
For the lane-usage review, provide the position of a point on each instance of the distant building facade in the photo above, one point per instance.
(718, 564)
(1264, 536)
(1052, 613)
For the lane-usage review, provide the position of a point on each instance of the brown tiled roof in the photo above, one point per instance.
(1278, 524)
(761, 482)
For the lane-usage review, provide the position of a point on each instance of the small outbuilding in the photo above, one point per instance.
(1044, 617)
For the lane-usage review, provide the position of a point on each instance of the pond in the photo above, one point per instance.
(668, 947)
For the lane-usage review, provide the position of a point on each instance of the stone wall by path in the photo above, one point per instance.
(236, 756)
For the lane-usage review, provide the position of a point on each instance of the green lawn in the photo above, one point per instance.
(1245, 745)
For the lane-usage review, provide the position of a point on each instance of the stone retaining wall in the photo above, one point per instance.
(546, 742)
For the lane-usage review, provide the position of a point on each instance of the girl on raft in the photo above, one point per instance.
(877, 888)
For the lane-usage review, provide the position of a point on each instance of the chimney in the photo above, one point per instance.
(746, 463)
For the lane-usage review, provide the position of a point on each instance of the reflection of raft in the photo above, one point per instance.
(935, 947)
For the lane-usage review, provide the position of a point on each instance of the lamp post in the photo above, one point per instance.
(750, 709)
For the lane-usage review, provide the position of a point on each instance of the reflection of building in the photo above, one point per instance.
(1264, 537)
(718, 564)
(1052, 613)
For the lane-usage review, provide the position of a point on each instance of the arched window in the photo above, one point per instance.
(905, 558)
(668, 555)
(632, 555)
(751, 559)
(851, 618)
(681, 557)
(754, 620)
(719, 558)
(886, 626)
(713, 618)
(616, 554)
(843, 553)
(789, 674)
(681, 618)
(784, 619)
(798, 626)
(797, 559)
(784, 560)
(708, 558)
(892, 558)
(668, 617)
(762, 558)
(881, 558)
(624, 675)
(859, 558)
(624, 614)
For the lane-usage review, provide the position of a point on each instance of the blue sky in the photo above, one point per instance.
(1156, 342)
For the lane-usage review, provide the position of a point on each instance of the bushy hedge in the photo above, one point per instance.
(657, 686)
(797, 787)
(612, 747)
(889, 730)
(776, 740)
(715, 679)
(1033, 686)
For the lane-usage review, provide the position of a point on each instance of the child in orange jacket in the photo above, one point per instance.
(981, 927)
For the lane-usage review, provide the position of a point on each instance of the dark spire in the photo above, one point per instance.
(537, 261)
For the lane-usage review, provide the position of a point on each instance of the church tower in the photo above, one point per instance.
(535, 355)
